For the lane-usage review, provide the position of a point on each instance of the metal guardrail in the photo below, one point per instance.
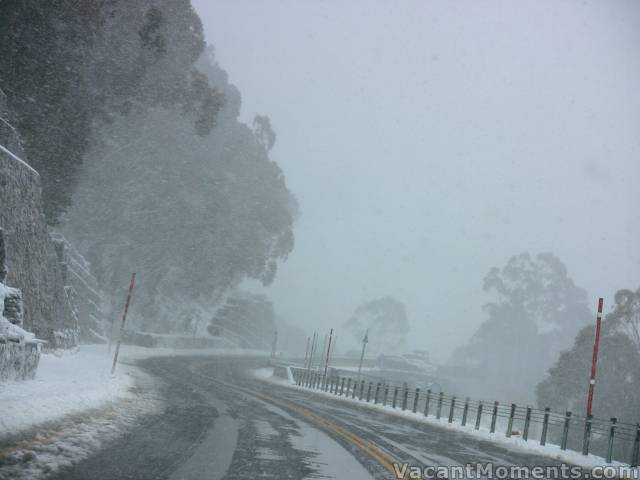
(610, 439)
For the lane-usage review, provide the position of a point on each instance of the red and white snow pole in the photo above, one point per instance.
(326, 363)
(365, 340)
(594, 359)
(274, 344)
(313, 350)
(306, 353)
(124, 318)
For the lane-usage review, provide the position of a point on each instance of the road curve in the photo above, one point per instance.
(221, 422)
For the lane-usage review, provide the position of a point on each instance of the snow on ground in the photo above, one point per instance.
(74, 405)
(515, 442)
(79, 380)
(265, 372)
(130, 353)
(64, 384)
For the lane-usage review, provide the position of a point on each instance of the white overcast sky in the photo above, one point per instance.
(428, 141)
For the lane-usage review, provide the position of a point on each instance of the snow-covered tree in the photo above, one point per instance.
(70, 66)
(193, 214)
(385, 320)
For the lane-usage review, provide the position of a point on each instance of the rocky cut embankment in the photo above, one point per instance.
(31, 262)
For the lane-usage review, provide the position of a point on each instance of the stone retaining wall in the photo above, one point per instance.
(31, 259)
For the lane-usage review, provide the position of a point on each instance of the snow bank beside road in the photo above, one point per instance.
(74, 406)
(78, 381)
(70, 383)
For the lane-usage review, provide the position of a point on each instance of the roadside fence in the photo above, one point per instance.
(610, 439)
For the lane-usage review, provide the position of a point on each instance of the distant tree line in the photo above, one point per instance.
(536, 343)
(385, 322)
(535, 313)
(617, 389)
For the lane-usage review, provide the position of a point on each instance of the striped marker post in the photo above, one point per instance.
(124, 318)
(594, 358)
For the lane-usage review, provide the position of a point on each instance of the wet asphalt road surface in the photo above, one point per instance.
(219, 423)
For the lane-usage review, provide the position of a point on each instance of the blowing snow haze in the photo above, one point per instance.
(297, 238)
(427, 142)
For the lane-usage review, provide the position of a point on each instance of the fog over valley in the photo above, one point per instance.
(428, 143)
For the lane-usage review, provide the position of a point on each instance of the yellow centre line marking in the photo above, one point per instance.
(382, 457)
(379, 455)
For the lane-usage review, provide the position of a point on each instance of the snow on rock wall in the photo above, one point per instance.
(82, 287)
(31, 261)
(18, 361)
(8, 134)
(19, 350)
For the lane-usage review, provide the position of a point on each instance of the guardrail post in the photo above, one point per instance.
(479, 415)
(369, 391)
(395, 395)
(439, 409)
(452, 409)
(355, 389)
(386, 394)
(587, 434)
(635, 456)
(346, 393)
(512, 414)
(375, 395)
(565, 431)
(341, 387)
(465, 412)
(415, 400)
(334, 385)
(426, 403)
(612, 433)
(527, 422)
(494, 417)
(405, 397)
(361, 390)
(545, 426)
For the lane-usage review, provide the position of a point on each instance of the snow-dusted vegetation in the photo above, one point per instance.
(437, 196)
